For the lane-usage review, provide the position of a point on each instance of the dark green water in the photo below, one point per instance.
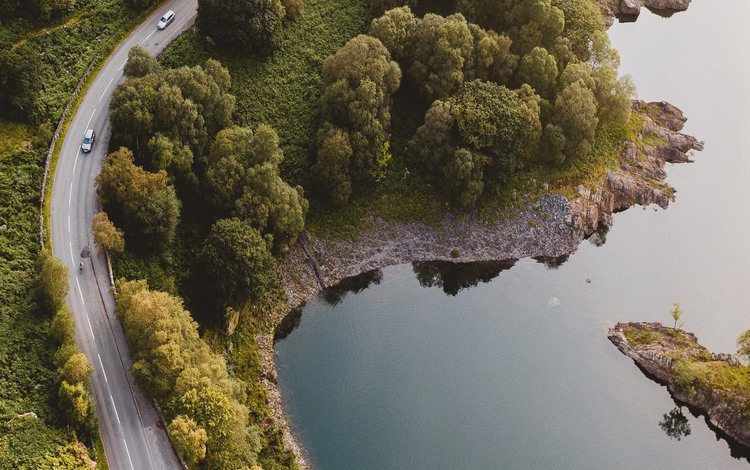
(517, 372)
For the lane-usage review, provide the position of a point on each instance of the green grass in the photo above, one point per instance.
(14, 136)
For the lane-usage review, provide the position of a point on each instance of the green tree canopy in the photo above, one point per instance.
(538, 68)
(242, 26)
(236, 262)
(359, 81)
(106, 235)
(51, 284)
(242, 176)
(575, 113)
(168, 116)
(478, 138)
(138, 200)
(188, 438)
(202, 403)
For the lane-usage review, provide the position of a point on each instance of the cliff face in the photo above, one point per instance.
(640, 178)
(658, 357)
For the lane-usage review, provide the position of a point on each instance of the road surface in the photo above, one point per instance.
(127, 419)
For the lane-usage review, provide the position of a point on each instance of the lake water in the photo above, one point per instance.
(517, 372)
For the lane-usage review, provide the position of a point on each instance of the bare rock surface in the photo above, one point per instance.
(656, 349)
(640, 178)
(612, 8)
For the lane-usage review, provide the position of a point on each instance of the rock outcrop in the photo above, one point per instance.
(632, 8)
(640, 178)
(657, 350)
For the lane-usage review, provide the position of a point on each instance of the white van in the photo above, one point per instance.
(165, 20)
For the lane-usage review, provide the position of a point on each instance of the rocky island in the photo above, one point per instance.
(717, 385)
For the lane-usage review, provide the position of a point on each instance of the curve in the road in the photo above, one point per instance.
(130, 427)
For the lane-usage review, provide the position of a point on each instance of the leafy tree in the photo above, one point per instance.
(188, 438)
(22, 78)
(494, 60)
(243, 177)
(201, 401)
(359, 81)
(675, 424)
(51, 284)
(106, 235)
(395, 29)
(582, 20)
(332, 167)
(676, 313)
(140, 63)
(240, 25)
(77, 369)
(168, 116)
(743, 344)
(62, 329)
(77, 406)
(575, 113)
(236, 262)
(443, 51)
(538, 68)
(141, 201)
(613, 94)
(478, 138)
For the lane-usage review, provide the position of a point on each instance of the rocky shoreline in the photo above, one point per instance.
(656, 349)
(547, 225)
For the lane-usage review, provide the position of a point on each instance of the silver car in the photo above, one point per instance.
(88, 140)
(165, 20)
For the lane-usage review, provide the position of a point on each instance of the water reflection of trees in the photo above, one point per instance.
(335, 294)
(453, 277)
(675, 424)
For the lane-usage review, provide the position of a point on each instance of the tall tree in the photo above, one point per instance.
(236, 262)
(359, 81)
(243, 178)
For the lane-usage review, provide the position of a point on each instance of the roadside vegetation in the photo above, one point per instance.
(47, 418)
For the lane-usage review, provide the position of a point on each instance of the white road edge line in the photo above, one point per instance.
(128, 452)
(102, 366)
(123, 65)
(80, 294)
(116, 415)
(107, 88)
(92, 117)
(152, 32)
(91, 330)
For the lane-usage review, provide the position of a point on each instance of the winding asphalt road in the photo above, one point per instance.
(128, 422)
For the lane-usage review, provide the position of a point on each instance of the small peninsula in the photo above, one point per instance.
(715, 384)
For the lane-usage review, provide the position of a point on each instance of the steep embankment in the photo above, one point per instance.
(715, 384)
